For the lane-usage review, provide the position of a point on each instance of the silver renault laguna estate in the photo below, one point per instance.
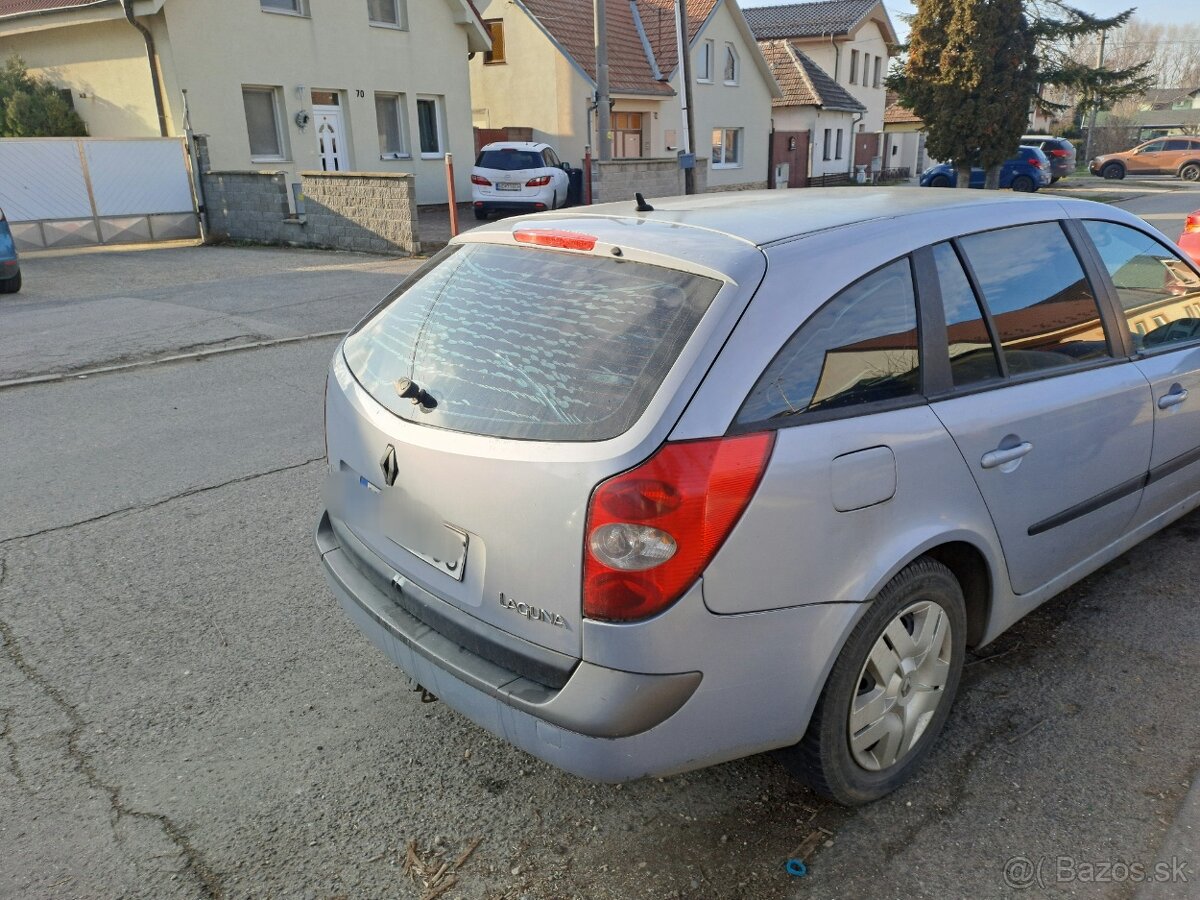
(643, 490)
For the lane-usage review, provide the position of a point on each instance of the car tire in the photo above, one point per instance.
(1023, 184)
(481, 214)
(924, 600)
(11, 285)
(1054, 178)
(939, 181)
(1113, 171)
(1190, 171)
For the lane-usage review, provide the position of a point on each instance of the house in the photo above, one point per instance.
(903, 139)
(1170, 98)
(850, 42)
(541, 75)
(276, 85)
(815, 105)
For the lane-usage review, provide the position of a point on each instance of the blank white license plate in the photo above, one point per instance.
(508, 185)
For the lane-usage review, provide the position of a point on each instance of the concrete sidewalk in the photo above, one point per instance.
(1182, 845)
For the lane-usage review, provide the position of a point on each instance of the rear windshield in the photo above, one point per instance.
(527, 343)
(510, 160)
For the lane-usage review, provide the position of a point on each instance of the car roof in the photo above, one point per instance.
(763, 217)
(516, 145)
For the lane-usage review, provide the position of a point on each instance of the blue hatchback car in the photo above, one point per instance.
(10, 266)
(1027, 171)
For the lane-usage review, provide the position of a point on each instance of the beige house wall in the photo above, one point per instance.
(815, 120)
(103, 63)
(334, 49)
(214, 47)
(536, 87)
(835, 60)
(539, 87)
(745, 105)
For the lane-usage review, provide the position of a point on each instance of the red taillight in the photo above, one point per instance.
(1059, 153)
(479, 179)
(551, 237)
(1191, 225)
(1035, 162)
(540, 181)
(651, 531)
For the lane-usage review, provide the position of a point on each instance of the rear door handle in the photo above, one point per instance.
(999, 457)
(1174, 398)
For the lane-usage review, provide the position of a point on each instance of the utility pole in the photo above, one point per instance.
(685, 74)
(1087, 147)
(604, 136)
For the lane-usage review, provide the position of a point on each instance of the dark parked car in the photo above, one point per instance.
(1059, 151)
(1026, 172)
(10, 266)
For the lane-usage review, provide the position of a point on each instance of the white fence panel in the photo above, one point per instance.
(63, 192)
(42, 179)
(138, 177)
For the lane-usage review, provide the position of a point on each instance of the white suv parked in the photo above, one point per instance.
(521, 176)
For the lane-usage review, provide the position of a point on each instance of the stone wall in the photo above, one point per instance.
(248, 206)
(620, 179)
(741, 186)
(371, 211)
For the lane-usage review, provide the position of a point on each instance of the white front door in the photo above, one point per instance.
(331, 139)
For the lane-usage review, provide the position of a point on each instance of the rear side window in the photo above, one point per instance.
(531, 344)
(1159, 292)
(510, 160)
(860, 348)
(972, 356)
(1041, 304)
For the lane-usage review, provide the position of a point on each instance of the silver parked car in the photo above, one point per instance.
(645, 491)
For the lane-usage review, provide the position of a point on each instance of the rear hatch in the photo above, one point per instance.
(507, 173)
(536, 372)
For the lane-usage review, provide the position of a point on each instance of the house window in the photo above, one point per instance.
(390, 115)
(838, 152)
(727, 148)
(495, 56)
(295, 7)
(854, 67)
(732, 65)
(389, 13)
(429, 126)
(704, 61)
(263, 115)
(828, 141)
(878, 70)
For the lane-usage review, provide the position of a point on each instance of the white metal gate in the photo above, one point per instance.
(68, 192)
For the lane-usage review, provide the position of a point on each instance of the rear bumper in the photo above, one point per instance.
(606, 724)
(526, 206)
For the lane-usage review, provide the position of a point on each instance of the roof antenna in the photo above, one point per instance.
(642, 205)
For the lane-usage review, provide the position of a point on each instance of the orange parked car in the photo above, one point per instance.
(1178, 155)
(1189, 241)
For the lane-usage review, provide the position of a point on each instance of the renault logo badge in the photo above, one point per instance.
(388, 465)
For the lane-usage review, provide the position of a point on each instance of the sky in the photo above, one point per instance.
(1158, 11)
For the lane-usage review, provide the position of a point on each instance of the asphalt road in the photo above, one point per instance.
(184, 711)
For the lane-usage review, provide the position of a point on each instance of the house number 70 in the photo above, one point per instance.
(360, 93)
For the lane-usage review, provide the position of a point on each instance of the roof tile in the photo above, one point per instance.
(793, 20)
(572, 25)
(802, 81)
